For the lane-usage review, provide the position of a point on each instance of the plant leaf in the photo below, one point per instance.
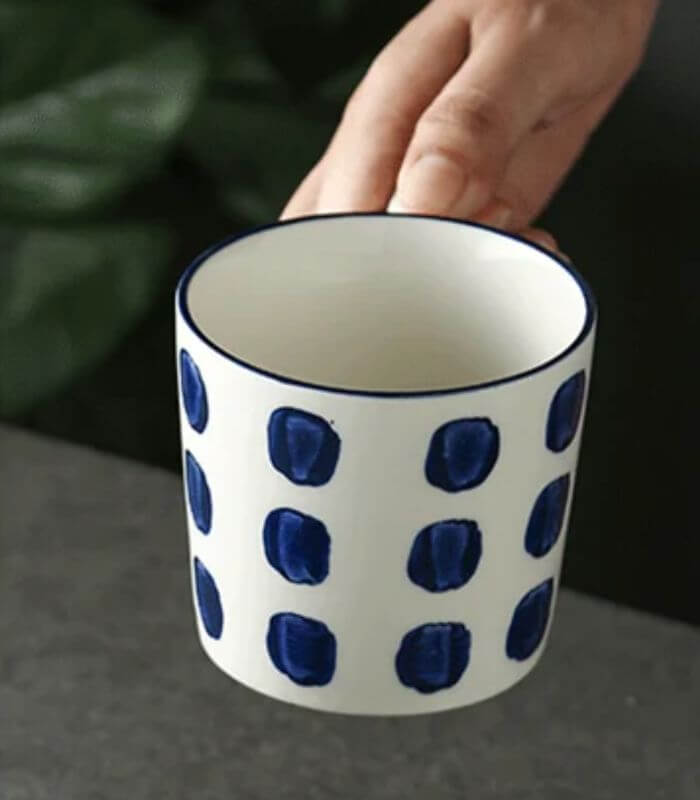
(257, 151)
(236, 57)
(90, 107)
(67, 296)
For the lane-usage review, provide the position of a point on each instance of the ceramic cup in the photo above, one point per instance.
(381, 416)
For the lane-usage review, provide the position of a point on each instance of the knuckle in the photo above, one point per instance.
(545, 17)
(557, 26)
(538, 24)
(482, 173)
(471, 114)
(364, 109)
(532, 17)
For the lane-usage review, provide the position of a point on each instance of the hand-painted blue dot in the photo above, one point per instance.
(301, 648)
(445, 555)
(529, 622)
(433, 656)
(208, 600)
(198, 493)
(194, 393)
(297, 545)
(302, 446)
(462, 453)
(565, 412)
(547, 517)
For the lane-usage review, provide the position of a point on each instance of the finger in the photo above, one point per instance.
(497, 213)
(540, 164)
(305, 198)
(511, 81)
(542, 238)
(366, 151)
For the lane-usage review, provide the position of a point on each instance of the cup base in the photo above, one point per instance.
(414, 704)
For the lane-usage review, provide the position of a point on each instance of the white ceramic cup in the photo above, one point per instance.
(381, 416)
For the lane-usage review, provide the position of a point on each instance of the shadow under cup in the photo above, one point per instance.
(381, 417)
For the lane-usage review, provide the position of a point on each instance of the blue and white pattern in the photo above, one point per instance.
(198, 493)
(443, 556)
(529, 622)
(380, 423)
(297, 545)
(565, 412)
(194, 393)
(304, 649)
(208, 600)
(433, 656)
(462, 453)
(302, 446)
(547, 517)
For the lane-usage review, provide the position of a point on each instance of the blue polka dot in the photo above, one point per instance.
(302, 446)
(198, 494)
(433, 656)
(194, 393)
(547, 517)
(208, 600)
(445, 555)
(565, 412)
(297, 545)
(529, 622)
(301, 648)
(462, 453)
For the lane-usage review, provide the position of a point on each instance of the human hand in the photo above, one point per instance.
(478, 108)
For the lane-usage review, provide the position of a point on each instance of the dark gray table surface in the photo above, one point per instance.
(105, 694)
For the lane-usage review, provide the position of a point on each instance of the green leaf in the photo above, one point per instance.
(335, 12)
(257, 151)
(89, 103)
(53, 42)
(67, 296)
(236, 57)
(309, 40)
(256, 134)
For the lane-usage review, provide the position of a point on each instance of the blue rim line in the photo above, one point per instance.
(183, 285)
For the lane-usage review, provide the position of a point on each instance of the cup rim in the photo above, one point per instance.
(200, 260)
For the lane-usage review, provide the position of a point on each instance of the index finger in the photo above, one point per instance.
(367, 149)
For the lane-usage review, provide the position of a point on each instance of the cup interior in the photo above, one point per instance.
(386, 303)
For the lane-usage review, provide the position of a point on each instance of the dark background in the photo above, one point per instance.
(271, 79)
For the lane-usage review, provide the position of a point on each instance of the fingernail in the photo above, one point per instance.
(433, 184)
(395, 206)
(472, 200)
(499, 215)
(543, 239)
